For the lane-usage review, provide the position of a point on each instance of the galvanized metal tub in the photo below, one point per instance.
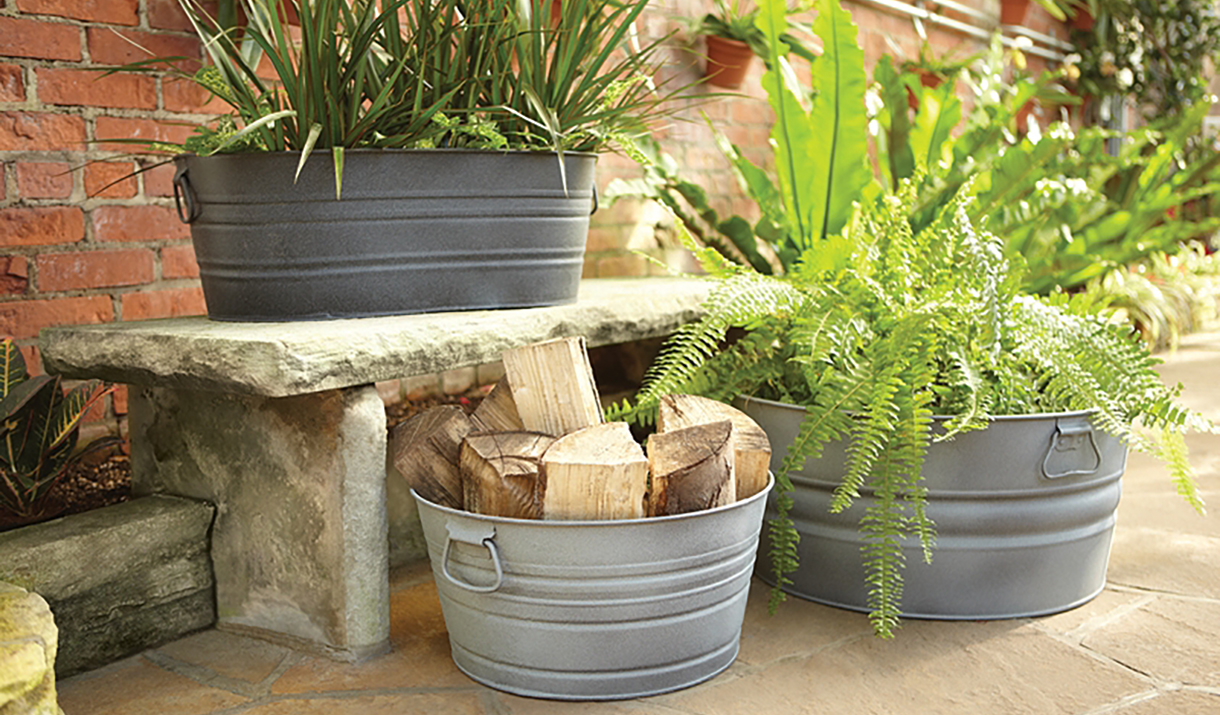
(415, 231)
(1024, 512)
(593, 610)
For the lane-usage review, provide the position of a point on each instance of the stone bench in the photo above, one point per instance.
(280, 426)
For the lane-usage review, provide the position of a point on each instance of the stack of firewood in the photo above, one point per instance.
(537, 448)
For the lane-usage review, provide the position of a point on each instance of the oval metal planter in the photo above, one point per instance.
(415, 231)
(1024, 512)
(593, 610)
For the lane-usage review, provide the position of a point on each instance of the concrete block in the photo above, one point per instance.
(28, 641)
(299, 545)
(119, 579)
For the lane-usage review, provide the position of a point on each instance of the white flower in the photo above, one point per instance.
(1126, 77)
(873, 104)
(1022, 43)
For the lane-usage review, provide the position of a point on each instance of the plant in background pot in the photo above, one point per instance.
(733, 39)
(900, 359)
(461, 138)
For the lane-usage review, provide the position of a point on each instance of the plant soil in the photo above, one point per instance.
(104, 477)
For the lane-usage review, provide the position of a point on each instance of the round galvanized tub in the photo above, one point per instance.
(415, 231)
(1024, 513)
(593, 610)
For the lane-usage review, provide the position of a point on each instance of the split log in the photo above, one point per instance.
(552, 385)
(692, 469)
(500, 473)
(425, 450)
(751, 448)
(497, 412)
(598, 472)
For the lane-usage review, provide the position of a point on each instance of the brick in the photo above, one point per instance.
(44, 180)
(12, 86)
(94, 269)
(109, 46)
(14, 275)
(93, 89)
(159, 180)
(168, 15)
(110, 180)
(184, 95)
(33, 359)
(117, 12)
(41, 226)
(3, 184)
(137, 223)
(23, 319)
(118, 399)
(20, 37)
(164, 304)
(145, 129)
(179, 262)
(38, 131)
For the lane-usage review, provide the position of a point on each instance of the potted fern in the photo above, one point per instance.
(919, 396)
(403, 156)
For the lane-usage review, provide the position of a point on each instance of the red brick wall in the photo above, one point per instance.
(77, 247)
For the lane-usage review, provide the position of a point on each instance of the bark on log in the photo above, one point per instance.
(692, 469)
(751, 448)
(500, 473)
(426, 448)
(552, 386)
(497, 412)
(598, 472)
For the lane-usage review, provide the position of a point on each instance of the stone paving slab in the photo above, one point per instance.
(1147, 645)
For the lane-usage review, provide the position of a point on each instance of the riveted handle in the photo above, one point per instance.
(1071, 436)
(594, 200)
(185, 194)
(485, 537)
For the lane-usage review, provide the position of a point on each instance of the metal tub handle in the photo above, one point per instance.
(1068, 437)
(185, 194)
(485, 537)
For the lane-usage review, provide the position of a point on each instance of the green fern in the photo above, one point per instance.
(883, 330)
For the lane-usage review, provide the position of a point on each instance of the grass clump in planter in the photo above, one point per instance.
(875, 327)
(483, 74)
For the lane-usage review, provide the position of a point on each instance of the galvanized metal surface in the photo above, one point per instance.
(415, 231)
(1024, 510)
(593, 610)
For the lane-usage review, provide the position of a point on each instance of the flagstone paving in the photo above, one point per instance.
(1148, 645)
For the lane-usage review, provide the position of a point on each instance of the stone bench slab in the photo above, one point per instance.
(286, 359)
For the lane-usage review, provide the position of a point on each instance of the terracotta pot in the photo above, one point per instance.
(929, 79)
(728, 61)
(1083, 20)
(1012, 12)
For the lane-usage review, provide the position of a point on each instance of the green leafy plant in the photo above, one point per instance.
(39, 424)
(735, 20)
(878, 325)
(1152, 50)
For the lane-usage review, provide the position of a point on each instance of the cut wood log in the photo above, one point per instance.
(553, 387)
(497, 412)
(425, 450)
(692, 469)
(598, 472)
(751, 448)
(500, 473)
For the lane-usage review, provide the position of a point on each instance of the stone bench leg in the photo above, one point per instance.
(299, 546)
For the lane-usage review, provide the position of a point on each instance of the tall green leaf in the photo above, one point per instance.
(838, 121)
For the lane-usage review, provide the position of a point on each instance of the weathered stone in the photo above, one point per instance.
(1170, 639)
(283, 359)
(28, 643)
(299, 544)
(120, 579)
